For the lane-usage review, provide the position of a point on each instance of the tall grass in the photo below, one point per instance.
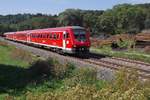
(125, 87)
(51, 80)
(130, 54)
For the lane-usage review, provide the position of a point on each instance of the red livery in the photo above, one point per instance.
(71, 39)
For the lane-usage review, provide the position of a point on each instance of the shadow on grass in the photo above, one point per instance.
(17, 78)
(97, 55)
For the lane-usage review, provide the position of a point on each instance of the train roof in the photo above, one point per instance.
(9, 33)
(49, 29)
(68, 27)
(59, 28)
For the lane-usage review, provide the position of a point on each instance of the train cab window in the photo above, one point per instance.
(80, 35)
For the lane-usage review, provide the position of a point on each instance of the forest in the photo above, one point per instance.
(123, 18)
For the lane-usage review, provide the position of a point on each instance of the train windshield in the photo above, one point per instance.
(80, 35)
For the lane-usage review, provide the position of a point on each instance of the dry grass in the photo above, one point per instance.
(20, 54)
(111, 40)
(4, 44)
(147, 49)
(143, 37)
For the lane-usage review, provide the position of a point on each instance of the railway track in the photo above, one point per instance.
(117, 63)
(113, 63)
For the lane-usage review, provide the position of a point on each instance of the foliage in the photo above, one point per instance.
(49, 80)
(129, 54)
(126, 44)
(125, 87)
(70, 17)
(124, 18)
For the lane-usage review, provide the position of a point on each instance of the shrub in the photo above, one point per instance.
(126, 44)
(40, 68)
(125, 87)
(126, 79)
(82, 76)
(50, 67)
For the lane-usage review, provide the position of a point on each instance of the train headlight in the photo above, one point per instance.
(74, 46)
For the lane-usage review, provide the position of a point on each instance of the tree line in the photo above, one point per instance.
(123, 18)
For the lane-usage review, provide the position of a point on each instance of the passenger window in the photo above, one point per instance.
(66, 36)
(51, 36)
(39, 36)
(58, 36)
(44, 35)
(55, 36)
(47, 35)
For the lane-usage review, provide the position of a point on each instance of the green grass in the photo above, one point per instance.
(5, 58)
(130, 54)
(50, 80)
(18, 76)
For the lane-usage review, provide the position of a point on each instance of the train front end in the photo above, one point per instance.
(81, 43)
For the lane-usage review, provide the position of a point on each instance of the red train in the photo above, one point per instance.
(70, 39)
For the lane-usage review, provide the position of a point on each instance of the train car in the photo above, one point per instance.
(9, 35)
(71, 39)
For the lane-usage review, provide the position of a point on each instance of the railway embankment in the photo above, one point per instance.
(23, 76)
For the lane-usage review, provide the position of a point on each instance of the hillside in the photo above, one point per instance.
(23, 76)
(123, 18)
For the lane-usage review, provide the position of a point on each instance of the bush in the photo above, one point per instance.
(126, 44)
(81, 76)
(50, 67)
(125, 87)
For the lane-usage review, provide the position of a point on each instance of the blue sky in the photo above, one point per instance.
(57, 6)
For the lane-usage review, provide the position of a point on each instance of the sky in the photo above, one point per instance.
(57, 6)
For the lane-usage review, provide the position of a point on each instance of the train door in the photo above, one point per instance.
(64, 40)
(28, 37)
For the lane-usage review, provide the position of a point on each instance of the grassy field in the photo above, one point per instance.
(25, 77)
(130, 54)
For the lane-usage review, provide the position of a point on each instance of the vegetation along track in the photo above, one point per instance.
(117, 63)
(107, 62)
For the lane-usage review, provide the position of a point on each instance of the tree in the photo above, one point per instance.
(71, 17)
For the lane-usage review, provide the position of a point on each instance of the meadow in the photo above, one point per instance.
(24, 76)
